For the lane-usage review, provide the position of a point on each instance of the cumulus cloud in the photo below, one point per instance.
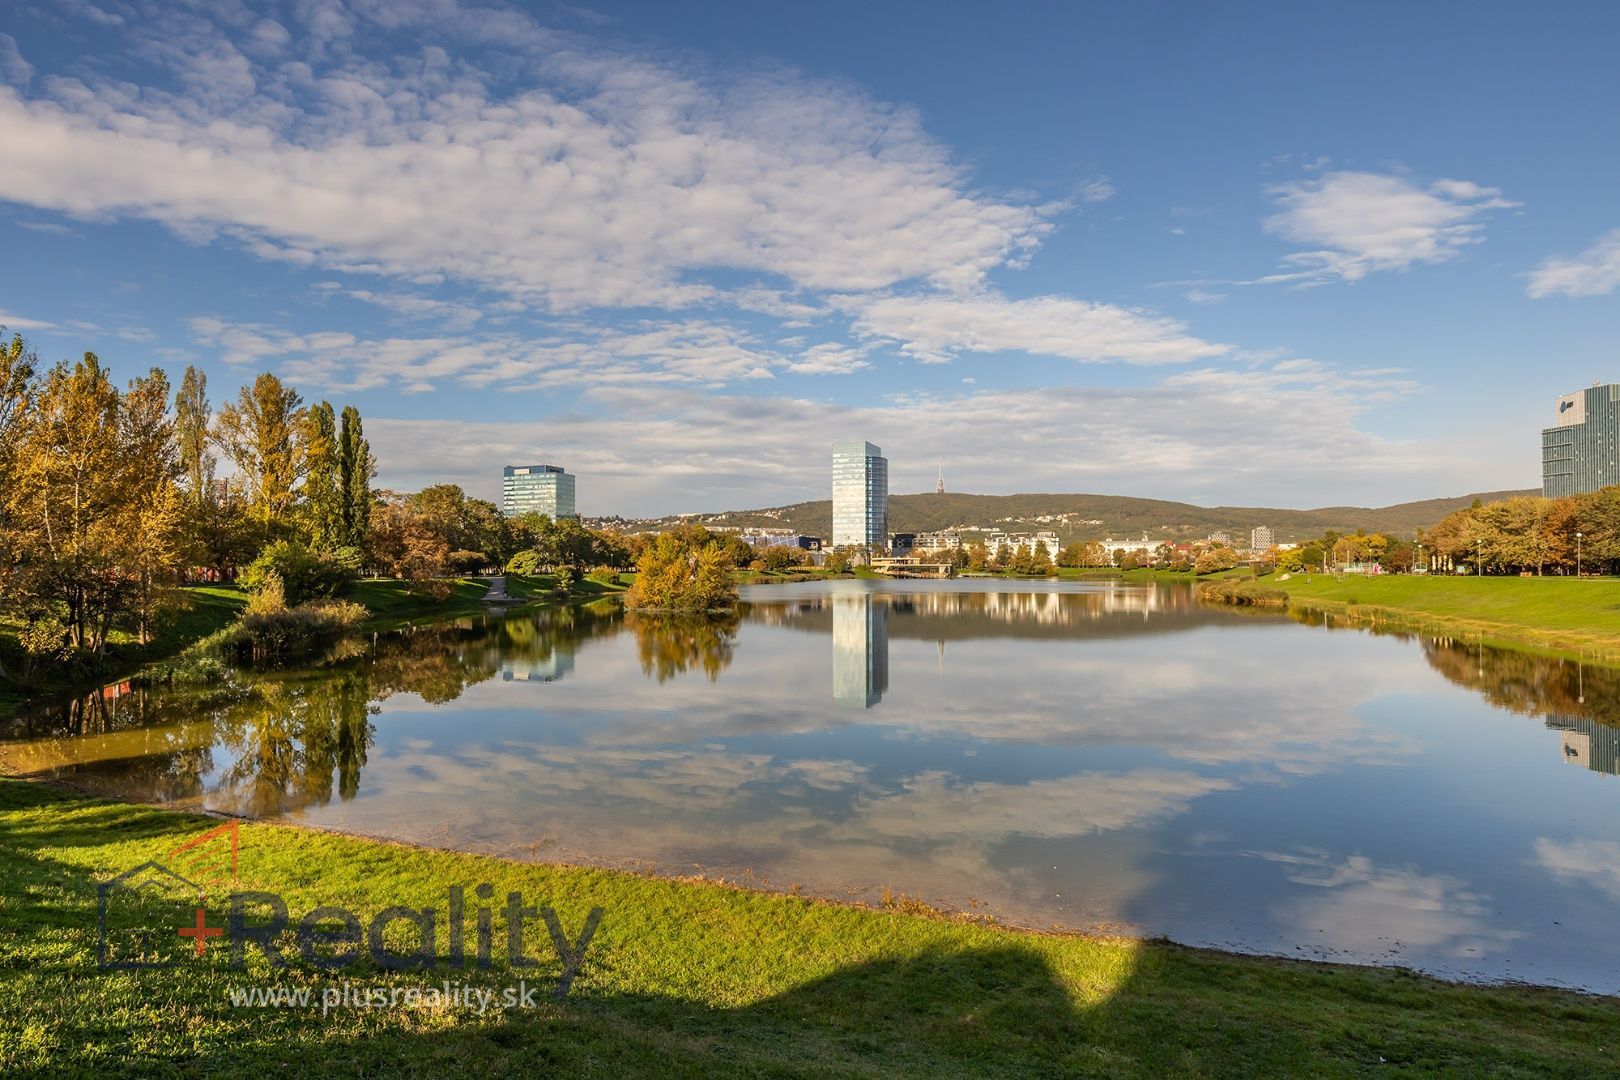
(1280, 428)
(603, 180)
(1593, 272)
(934, 328)
(641, 353)
(1361, 222)
(1594, 862)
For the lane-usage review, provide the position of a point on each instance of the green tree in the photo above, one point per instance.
(323, 482)
(355, 470)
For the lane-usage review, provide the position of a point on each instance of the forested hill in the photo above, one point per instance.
(1097, 516)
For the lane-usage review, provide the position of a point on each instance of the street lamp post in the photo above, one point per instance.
(1479, 557)
(1577, 556)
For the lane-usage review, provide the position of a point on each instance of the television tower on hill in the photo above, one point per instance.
(939, 488)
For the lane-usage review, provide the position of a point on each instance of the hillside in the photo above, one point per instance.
(1097, 516)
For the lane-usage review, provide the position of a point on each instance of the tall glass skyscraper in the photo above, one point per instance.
(860, 496)
(860, 639)
(542, 489)
(1581, 451)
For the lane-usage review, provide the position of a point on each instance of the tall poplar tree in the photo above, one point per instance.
(323, 481)
(191, 418)
(355, 470)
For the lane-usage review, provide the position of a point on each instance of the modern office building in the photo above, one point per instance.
(860, 640)
(1581, 451)
(540, 489)
(1261, 538)
(1588, 743)
(860, 496)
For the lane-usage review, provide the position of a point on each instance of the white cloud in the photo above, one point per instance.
(644, 353)
(934, 328)
(1595, 862)
(1363, 222)
(1097, 190)
(1593, 272)
(1372, 911)
(17, 322)
(607, 181)
(829, 358)
(1276, 429)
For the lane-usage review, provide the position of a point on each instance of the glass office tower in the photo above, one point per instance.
(1581, 451)
(542, 489)
(860, 640)
(860, 496)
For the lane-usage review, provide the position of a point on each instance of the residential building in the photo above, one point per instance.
(540, 489)
(1144, 546)
(1220, 538)
(945, 540)
(860, 496)
(1261, 538)
(1581, 451)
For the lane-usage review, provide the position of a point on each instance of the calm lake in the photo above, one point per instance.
(1091, 756)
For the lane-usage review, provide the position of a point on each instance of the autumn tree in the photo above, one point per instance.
(261, 434)
(91, 507)
(192, 439)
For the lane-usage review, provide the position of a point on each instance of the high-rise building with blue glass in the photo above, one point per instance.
(1581, 451)
(860, 497)
(540, 489)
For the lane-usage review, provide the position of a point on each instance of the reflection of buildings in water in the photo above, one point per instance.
(1588, 743)
(549, 668)
(860, 637)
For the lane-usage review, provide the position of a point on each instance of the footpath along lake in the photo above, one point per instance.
(1091, 756)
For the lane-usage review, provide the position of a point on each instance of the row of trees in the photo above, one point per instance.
(109, 498)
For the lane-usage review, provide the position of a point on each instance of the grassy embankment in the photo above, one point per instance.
(1561, 615)
(210, 608)
(696, 979)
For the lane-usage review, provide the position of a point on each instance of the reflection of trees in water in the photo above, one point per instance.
(296, 737)
(1529, 684)
(670, 646)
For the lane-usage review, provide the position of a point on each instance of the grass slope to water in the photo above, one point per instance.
(695, 979)
(1558, 614)
(210, 608)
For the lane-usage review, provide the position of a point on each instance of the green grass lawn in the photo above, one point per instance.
(695, 979)
(1562, 614)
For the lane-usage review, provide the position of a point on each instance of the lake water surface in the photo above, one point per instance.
(1090, 756)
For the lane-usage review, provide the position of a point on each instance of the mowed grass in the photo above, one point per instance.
(694, 979)
(1558, 613)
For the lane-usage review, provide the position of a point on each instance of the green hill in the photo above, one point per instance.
(1098, 516)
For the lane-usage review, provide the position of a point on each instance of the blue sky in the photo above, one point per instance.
(1280, 254)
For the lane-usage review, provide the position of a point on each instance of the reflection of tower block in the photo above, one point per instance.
(140, 910)
(1578, 748)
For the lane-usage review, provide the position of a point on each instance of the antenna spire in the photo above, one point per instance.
(939, 488)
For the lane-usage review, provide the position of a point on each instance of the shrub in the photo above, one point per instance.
(1247, 593)
(287, 632)
(304, 572)
(524, 563)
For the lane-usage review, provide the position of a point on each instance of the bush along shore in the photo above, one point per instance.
(662, 977)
